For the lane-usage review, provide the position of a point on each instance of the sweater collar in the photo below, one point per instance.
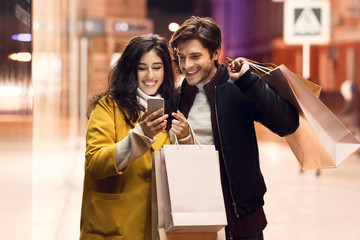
(216, 79)
(143, 97)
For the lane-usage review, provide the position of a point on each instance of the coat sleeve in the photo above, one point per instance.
(100, 142)
(271, 110)
(132, 147)
(105, 155)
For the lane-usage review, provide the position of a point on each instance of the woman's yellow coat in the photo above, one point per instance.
(116, 204)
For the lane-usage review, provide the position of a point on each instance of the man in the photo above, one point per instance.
(221, 104)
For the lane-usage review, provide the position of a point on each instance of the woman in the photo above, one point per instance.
(120, 140)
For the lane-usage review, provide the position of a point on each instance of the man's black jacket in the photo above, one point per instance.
(234, 109)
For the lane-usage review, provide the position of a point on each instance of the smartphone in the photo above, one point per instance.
(155, 104)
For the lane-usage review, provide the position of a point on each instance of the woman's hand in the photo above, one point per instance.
(151, 125)
(179, 126)
(237, 68)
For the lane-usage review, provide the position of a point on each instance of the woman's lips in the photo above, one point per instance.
(149, 83)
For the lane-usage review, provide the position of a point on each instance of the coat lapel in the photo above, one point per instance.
(161, 139)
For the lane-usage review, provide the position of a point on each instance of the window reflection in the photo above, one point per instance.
(15, 63)
(16, 117)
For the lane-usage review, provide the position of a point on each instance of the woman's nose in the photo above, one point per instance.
(150, 74)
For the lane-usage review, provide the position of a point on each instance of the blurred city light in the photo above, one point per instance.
(21, 57)
(22, 37)
(173, 26)
(121, 27)
(10, 91)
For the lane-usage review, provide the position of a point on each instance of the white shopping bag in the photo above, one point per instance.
(193, 199)
(158, 222)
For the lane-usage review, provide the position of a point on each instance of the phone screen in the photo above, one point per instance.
(155, 104)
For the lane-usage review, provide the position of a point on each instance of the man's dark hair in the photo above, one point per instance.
(203, 29)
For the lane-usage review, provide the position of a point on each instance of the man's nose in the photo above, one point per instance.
(188, 64)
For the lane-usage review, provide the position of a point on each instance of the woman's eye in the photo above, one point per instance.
(141, 69)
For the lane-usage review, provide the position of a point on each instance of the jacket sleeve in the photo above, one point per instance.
(104, 156)
(271, 110)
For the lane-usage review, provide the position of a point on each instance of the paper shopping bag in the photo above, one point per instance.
(321, 141)
(193, 199)
(260, 68)
(158, 222)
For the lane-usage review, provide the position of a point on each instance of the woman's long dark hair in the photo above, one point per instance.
(123, 82)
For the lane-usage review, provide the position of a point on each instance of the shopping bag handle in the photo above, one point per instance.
(259, 68)
(197, 142)
(256, 66)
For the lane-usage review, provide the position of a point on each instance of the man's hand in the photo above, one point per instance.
(237, 68)
(179, 126)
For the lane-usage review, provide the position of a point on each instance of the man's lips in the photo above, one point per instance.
(191, 73)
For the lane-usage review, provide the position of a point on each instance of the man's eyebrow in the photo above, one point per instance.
(193, 53)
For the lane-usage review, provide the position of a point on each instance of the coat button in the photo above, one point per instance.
(147, 179)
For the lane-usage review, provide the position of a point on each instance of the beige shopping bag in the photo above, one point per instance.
(321, 141)
(158, 222)
(260, 68)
